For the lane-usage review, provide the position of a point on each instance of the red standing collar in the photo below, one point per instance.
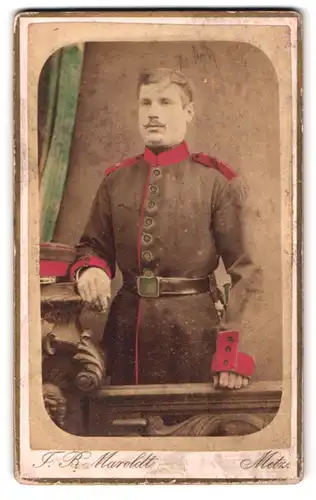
(174, 155)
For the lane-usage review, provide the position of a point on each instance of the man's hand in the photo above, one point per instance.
(230, 380)
(94, 287)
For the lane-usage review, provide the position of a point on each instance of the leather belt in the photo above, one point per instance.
(155, 286)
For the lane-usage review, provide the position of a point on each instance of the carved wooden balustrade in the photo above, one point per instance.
(73, 363)
(79, 400)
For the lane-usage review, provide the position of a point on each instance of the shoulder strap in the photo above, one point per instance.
(212, 162)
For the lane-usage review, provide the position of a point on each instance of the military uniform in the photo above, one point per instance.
(170, 216)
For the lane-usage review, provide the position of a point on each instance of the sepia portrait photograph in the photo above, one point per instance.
(158, 239)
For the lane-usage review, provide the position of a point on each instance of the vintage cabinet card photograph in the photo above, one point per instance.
(157, 240)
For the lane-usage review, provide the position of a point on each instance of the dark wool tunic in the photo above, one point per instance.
(171, 215)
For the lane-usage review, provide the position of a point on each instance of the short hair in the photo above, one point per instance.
(158, 75)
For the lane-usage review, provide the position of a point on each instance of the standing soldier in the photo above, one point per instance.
(166, 217)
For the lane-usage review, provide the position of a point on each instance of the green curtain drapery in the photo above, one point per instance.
(62, 96)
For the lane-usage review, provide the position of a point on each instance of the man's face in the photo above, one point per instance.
(163, 114)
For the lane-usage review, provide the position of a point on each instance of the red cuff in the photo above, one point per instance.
(90, 261)
(227, 357)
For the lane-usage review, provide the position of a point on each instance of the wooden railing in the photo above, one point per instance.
(186, 409)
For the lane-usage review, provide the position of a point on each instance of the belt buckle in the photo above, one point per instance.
(148, 286)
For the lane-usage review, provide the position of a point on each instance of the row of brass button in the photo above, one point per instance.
(147, 238)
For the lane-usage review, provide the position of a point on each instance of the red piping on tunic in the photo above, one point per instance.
(141, 218)
(174, 155)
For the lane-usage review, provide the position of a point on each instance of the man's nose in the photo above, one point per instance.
(153, 111)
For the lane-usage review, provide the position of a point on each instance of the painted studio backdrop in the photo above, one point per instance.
(87, 121)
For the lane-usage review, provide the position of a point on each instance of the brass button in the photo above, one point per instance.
(147, 238)
(228, 349)
(156, 171)
(151, 204)
(148, 221)
(153, 189)
(148, 273)
(230, 339)
(147, 256)
(225, 362)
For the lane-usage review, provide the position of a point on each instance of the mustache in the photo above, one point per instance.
(154, 123)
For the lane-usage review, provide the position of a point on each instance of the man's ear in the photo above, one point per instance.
(190, 112)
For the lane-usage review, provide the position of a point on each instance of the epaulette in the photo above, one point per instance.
(125, 163)
(212, 162)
